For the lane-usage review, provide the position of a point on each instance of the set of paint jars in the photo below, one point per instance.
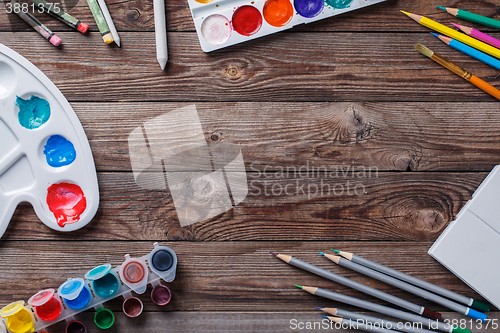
(100, 285)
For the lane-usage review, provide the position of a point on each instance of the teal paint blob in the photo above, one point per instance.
(59, 151)
(33, 112)
(340, 4)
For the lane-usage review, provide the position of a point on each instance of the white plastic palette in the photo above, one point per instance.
(25, 172)
(224, 27)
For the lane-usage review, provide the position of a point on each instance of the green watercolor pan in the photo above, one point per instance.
(45, 157)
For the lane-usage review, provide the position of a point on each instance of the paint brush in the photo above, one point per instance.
(493, 62)
(479, 35)
(357, 325)
(406, 287)
(361, 318)
(444, 30)
(486, 87)
(463, 14)
(358, 286)
(434, 324)
(415, 281)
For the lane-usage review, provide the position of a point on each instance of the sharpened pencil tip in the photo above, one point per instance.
(456, 25)
(319, 308)
(325, 317)
(441, 7)
(296, 285)
(406, 13)
(274, 253)
(435, 34)
(335, 250)
(321, 253)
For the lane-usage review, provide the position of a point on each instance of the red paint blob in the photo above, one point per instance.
(247, 20)
(49, 311)
(67, 202)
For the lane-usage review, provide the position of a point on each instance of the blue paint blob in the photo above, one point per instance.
(59, 151)
(80, 301)
(33, 112)
(340, 4)
(309, 8)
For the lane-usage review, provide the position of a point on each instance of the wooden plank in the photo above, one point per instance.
(137, 15)
(244, 322)
(394, 206)
(342, 67)
(222, 276)
(386, 136)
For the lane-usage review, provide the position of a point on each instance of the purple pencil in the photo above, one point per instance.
(479, 35)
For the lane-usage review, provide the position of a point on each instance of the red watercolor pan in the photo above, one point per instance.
(247, 20)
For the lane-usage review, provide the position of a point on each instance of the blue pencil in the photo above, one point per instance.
(493, 62)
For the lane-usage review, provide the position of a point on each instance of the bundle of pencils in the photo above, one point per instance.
(472, 42)
(423, 317)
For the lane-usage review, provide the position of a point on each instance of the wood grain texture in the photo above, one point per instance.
(394, 206)
(136, 15)
(232, 321)
(323, 67)
(387, 136)
(226, 276)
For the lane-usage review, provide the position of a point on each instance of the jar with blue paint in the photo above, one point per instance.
(105, 282)
(75, 293)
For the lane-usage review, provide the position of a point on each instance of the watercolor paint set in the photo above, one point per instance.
(100, 285)
(45, 158)
(221, 23)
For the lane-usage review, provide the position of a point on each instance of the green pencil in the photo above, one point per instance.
(101, 21)
(472, 17)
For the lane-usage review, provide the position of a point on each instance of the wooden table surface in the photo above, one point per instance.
(348, 92)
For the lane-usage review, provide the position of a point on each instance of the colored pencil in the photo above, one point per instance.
(479, 35)
(358, 325)
(100, 21)
(406, 287)
(493, 62)
(358, 286)
(444, 30)
(38, 26)
(160, 33)
(472, 17)
(369, 319)
(416, 281)
(61, 15)
(434, 324)
(109, 22)
(486, 87)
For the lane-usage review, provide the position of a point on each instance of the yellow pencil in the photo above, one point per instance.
(493, 51)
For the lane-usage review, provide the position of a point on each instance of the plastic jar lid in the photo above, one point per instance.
(98, 272)
(11, 309)
(71, 288)
(41, 297)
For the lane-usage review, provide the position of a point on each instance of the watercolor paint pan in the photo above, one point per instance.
(167, 260)
(45, 157)
(222, 23)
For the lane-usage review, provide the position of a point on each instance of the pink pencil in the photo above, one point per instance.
(479, 35)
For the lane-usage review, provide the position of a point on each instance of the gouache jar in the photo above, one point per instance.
(19, 320)
(134, 273)
(161, 295)
(104, 318)
(132, 307)
(105, 283)
(75, 293)
(76, 327)
(47, 306)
